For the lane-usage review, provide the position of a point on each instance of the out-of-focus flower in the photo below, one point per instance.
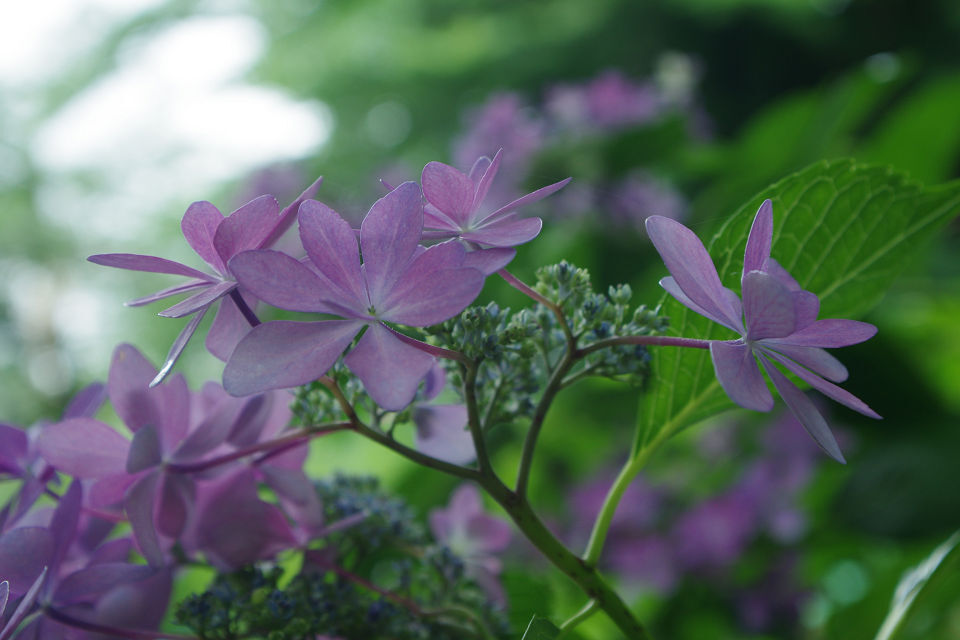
(608, 101)
(442, 428)
(399, 282)
(475, 536)
(640, 195)
(777, 322)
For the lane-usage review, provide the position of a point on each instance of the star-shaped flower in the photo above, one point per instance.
(777, 322)
(398, 282)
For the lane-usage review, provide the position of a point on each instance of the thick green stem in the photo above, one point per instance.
(571, 623)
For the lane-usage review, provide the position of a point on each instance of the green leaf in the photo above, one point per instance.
(930, 581)
(843, 230)
(540, 629)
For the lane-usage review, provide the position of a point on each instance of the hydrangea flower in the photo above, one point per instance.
(216, 239)
(777, 323)
(398, 282)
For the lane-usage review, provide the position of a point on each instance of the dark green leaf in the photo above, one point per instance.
(540, 629)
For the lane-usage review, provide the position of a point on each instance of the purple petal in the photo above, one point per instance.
(389, 369)
(806, 306)
(139, 506)
(297, 494)
(505, 232)
(429, 291)
(830, 333)
(813, 358)
(128, 387)
(760, 239)
(136, 605)
(137, 262)
(283, 354)
(88, 583)
(179, 344)
(84, 448)
(332, 247)
(229, 326)
(433, 218)
(435, 381)
(144, 450)
(199, 226)
(281, 281)
(670, 285)
(26, 604)
(209, 434)
(828, 389)
(250, 421)
(63, 524)
(246, 227)
(13, 448)
(767, 307)
(86, 402)
(523, 201)
(442, 432)
(691, 267)
(173, 398)
(166, 293)
(108, 492)
(489, 261)
(804, 411)
(289, 214)
(24, 552)
(488, 534)
(4, 593)
(175, 502)
(199, 300)
(389, 235)
(480, 166)
(482, 174)
(449, 191)
(739, 375)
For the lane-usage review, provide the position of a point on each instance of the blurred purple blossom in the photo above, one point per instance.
(608, 101)
(640, 195)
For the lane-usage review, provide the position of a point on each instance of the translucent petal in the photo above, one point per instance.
(739, 375)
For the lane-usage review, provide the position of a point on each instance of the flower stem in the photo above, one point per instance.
(244, 308)
(571, 623)
(652, 341)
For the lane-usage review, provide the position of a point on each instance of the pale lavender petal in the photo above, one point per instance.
(760, 239)
(767, 307)
(505, 232)
(523, 201)
(210, 433)
(174, 503)
(828, 389)
(88, 583)
(229, 326)
(144, 450)
(136, 605)
(389, 369)
(482, 174)
(442, 433)
(83, 447)
(139, 506)
(24, 553)
(166, 293)
(284, 354)
(332, 247)
(298, 495)
(805, 412)
(289, 214)
(246, 228)
(199, 226)
(63, 524)
(773, 267)
(128, 387)
(806, 306)
(26, 604)
(389, 235)
(250, 421)
(739, 375)
(830, 333)
(86, 402)
(448, 190)
(429, 291)
(813, 358)
(433, 218)
(152, 264)
(691, 267)
(13, 448)
(179, 344)
(435, 381)
(174, 400)
(488, 534)
(108, 491)
(670, 286)
(489, 261)
(281, 281)
(199, 300)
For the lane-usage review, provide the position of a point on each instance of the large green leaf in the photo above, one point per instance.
(540, 629)
(843, 230)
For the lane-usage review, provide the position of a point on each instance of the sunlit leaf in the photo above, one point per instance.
(540, 629)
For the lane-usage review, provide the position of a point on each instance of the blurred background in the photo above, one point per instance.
(116, 114)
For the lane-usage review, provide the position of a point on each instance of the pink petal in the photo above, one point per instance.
(480, 166)
(199, 300)
(199, 225)
(389, 369)
(523, 201)
(246, 227)
(281, 281)
(505, 232)
(767, 307)
(842, 396)
(389, 235)
(448, 190)
(691, 267)
(136, 262)
(442, 432)
(284, 354)
(289, 214)
(830, 333)
(739, 375)
(166, 293)
(332, 247)
(760, 239)
(485, 172)
(84, 448)
(804, 411)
